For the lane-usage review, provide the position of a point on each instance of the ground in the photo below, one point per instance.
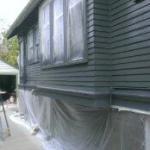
(21, 138)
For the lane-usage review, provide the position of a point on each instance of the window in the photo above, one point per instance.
(33, 45)
(36, 43)
(62, 31)
(30, 46)
(45, 32)
(76, 30)
(58, 29)
(21, 58)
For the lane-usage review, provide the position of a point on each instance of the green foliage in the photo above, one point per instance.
(11, 54)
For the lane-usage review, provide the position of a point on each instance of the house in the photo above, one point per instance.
(81, 62)
(9, 77)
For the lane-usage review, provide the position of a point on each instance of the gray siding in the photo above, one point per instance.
(90, 76)
(130, 42)
(118, 34)
(101, 43)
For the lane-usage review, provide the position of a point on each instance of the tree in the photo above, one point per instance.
(9, 50)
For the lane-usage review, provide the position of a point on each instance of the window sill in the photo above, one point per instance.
(67, 64)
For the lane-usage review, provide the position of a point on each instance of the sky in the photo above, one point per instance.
(9, 10)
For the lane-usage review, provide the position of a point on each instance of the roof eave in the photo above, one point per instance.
(13, 30)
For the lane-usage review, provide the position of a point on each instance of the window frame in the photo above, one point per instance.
(66, 62)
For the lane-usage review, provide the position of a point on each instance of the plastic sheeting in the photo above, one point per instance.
(58, 28)
(30, 46)
(76, 26)
(45, 26)
(36, 43)
(74, 20)
(67, 126)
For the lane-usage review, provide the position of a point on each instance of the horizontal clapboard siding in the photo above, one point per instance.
(101, 44)
(118, 41)
(130, 42)
(118, 52)
(91, 76)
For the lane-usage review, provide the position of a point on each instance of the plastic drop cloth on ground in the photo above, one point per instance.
(67, 126)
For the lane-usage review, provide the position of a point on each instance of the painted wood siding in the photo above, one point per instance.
(130, 42)
(101, 44)
(90, 76)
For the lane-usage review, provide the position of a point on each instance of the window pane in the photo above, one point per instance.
(37, 36)
(72, 3)
(36, 43)
(76, 30)
(45, 32)
(30, 39)
(30, 45)
(58, 38)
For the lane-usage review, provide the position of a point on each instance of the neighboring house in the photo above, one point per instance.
(9, 77)
(93, 53)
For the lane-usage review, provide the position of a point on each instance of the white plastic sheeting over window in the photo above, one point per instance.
(33, 45)
(76, 29)
(65, 30)
(68, 126)
(45, 31)
(58, 29)
(36, 43)
(30, 45)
